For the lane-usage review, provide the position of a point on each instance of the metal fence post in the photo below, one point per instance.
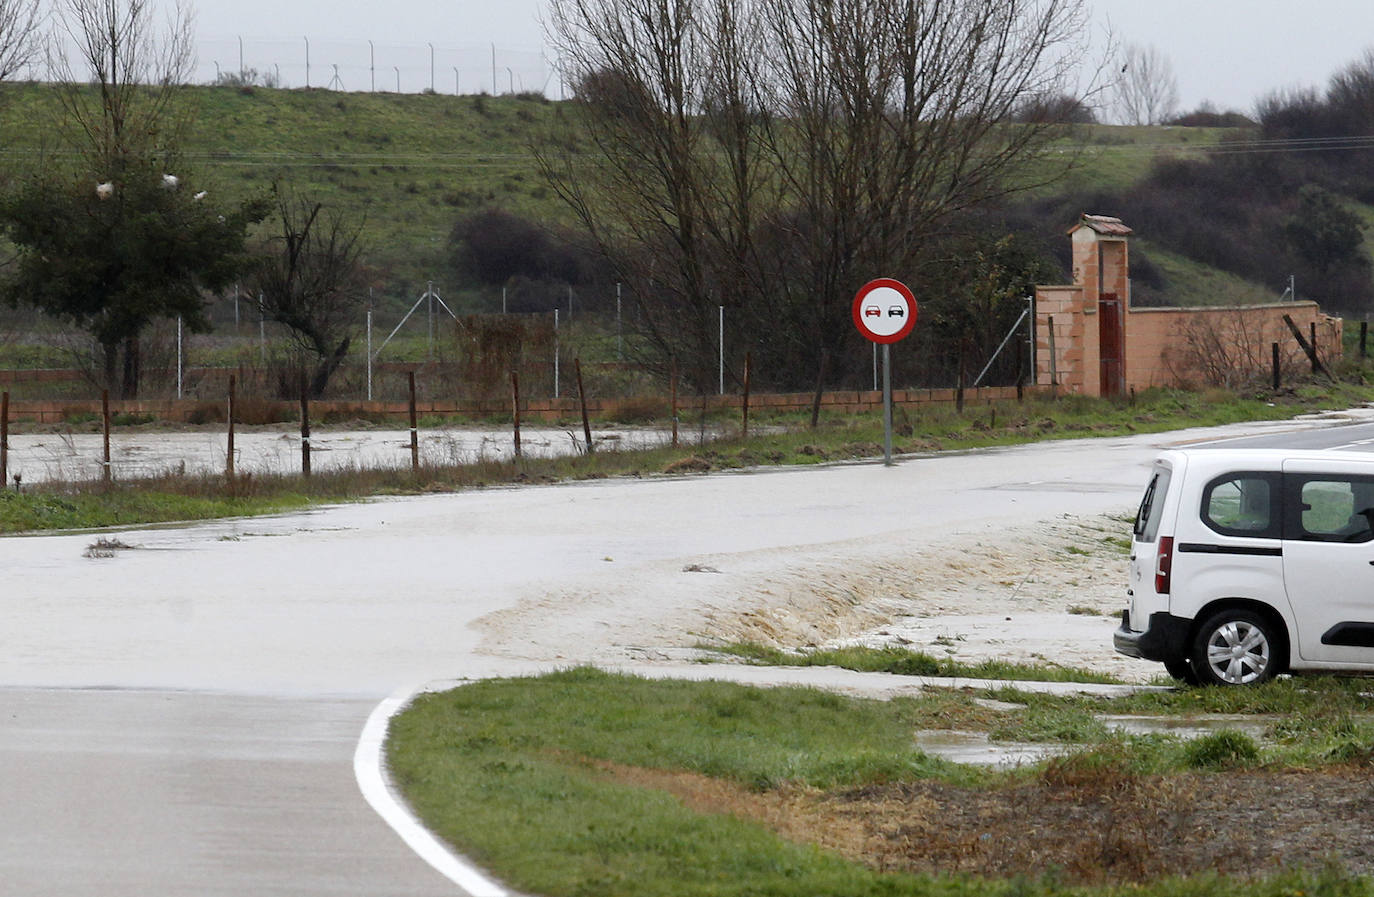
(229, 455)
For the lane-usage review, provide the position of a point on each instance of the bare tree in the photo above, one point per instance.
(769, 156)
(19, 35)
(19, 45)
(1145, 92)
(642, 71)
(119, 238)
(310, 279)
(121, 74)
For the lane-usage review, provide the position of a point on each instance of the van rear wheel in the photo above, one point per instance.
(1235, 647)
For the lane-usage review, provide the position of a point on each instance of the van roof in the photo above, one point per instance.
(1268, 457)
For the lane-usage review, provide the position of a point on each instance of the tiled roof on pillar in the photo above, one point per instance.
(1103, 224)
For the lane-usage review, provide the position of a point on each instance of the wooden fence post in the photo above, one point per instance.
(820, 387)
(229, 456)
(1275, 348)
(1021, 374)
(305, 428)
(959, 390)
(582, 400)
(105, 429)
(672, 386)
(4, 438)
(414, 427)
(515, 407)
(1364, 335)
(744, 404)
(1309, 348)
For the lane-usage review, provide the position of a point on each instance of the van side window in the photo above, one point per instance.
(1242, 504)
(1152, 507)
(1333, 508)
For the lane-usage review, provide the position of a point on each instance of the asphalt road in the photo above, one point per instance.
(180, 718)
(1358, 437)
(113, 792)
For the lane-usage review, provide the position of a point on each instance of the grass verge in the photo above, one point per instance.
(904, 662)
(583, 782)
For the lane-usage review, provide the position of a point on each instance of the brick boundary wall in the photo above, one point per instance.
(545, 410)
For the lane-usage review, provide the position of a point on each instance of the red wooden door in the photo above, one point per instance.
(1111, 344)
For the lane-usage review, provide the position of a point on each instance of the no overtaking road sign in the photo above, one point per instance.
(884, 310)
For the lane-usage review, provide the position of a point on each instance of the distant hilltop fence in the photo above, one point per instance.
(547, 410)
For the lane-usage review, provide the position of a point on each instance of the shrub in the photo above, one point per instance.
(1221, 749)
(206, 413)
(639, 411)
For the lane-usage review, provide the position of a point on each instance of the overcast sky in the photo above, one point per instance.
(1230, 52)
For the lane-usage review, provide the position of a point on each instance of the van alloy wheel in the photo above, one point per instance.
(1234, 647)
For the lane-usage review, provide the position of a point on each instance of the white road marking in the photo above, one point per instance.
(369, 767)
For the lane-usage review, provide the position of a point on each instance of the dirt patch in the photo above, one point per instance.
(1067, 565)
(1048, 592)
(1100, 831)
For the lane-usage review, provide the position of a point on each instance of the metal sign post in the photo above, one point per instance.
(884, 312)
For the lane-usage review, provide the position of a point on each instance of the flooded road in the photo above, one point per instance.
(178, 711)
(357, 599)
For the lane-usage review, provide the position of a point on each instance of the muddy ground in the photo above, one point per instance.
(1103, 829)
(1043, 593)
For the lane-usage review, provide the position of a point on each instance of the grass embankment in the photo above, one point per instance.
(584, 782)
(904, 662)
(408, 166)
(405, 167)
(781, 441)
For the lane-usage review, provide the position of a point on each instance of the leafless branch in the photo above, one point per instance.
(120, 75)
(1146, 92)
(19, 35)
(310, 281)
(770, 155)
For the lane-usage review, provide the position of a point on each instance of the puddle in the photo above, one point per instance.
(974, 748)
(1191, 726)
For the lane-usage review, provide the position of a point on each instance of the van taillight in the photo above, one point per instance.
(1164, 564)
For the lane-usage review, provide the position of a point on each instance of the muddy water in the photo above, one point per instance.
(39, 457)
(974, 748)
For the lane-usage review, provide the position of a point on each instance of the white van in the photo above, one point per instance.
(1246, 563)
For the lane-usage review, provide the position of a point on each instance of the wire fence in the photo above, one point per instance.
(369, 66)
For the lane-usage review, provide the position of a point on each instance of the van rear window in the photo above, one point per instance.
(1242, 504)
(1152, 506)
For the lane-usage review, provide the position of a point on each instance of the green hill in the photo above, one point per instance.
(407, 165)
(411, 165)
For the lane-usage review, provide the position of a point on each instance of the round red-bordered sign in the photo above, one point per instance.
(884, 310)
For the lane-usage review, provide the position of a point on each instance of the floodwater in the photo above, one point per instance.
(976, 749)
(137, 454)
